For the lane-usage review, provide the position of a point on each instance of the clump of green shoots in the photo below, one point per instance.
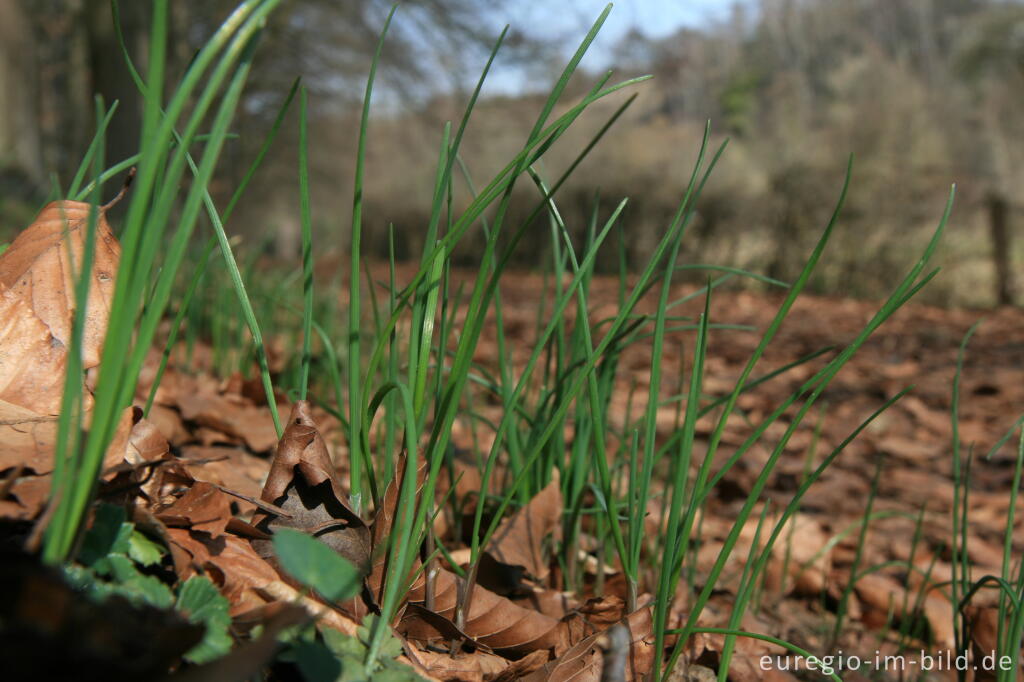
(399, 393)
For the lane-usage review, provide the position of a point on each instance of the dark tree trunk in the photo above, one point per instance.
(21, 161)
(62, 75)
(109, 73)
(999, 229)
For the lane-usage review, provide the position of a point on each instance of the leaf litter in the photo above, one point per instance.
(208, 485)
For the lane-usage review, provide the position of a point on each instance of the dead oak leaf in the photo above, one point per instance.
(630, 654)
(303, 482)
(519, 540)
(241, 575)
(41, 268)
(203, 507)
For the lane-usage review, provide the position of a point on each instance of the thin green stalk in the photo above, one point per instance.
(307, 244)
(355, 383)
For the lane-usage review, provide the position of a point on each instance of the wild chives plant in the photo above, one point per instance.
(412, 374)
(224, 61)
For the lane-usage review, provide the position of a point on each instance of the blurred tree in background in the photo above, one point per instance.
(924, 92)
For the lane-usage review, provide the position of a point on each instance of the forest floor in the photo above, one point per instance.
(223, 435)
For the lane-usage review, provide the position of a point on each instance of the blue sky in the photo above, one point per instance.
(567, 21)
(656, 18)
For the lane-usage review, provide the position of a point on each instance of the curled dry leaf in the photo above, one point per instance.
(203, 507)
(23, 497)
(40, 268)
(240, 574)
(469, 667)
(233, 416)
(519, 540)
(303, 482)
(585, 661)
(493, 621)
(37, 307)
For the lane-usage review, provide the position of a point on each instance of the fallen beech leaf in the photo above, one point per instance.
(493, 621)
(325, 615)
(25, 497)
(383, 522)
(604, 612)
(229, 467)
(233, 416)
(744, 664)
(303, 482)
(468, 667)
(146, 443)
(523, 667)
(37, 269)
(584, 662)
(36, 311)
(203, 508)
(519, 540)
(32, 361)
(551, 602)
(240, 574)
(423, 625)
(879, 593)
(802, 557)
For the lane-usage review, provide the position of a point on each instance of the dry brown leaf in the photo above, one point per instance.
(203, 507)
(492, 620)
(25, 496)
(232, 415)
(519, 540)
(32, 361)
(745, 666)
(585, 661)
(37, 302)
(303, 482)
(32, 368)
(38, 270)
(603, 612)
(146, 443)
(230, 467)
(802, 557)
(382, 524)
(241, 574)
(468, 667)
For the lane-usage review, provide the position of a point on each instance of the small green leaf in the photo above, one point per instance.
(143, 550)
(316, 565)
(201, 602)
(108, 535)
(137, 586)
(316, 662)
(342, 644)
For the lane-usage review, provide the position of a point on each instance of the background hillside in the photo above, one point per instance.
(924, 93)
